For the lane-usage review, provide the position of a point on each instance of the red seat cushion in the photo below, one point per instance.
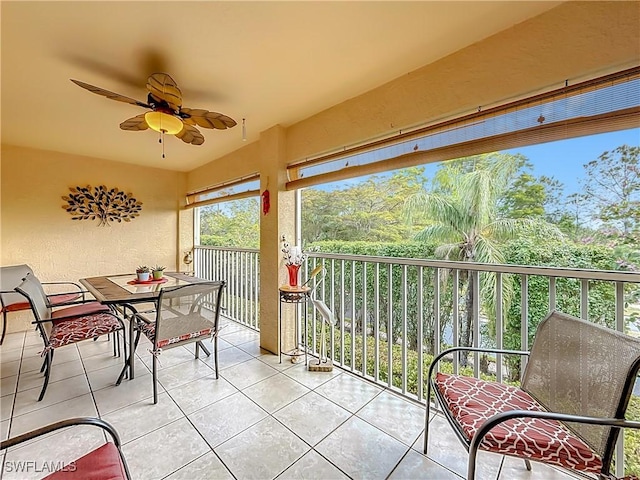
(472, 401)
(17, 307)
(77, 329)
(81, 309)
(100, 464)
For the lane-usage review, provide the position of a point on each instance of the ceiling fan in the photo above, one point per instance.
(167, 114)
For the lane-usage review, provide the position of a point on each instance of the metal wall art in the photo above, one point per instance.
(102, 204)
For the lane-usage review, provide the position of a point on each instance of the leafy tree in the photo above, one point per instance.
(370, 210)
(612, 188)
(231, 224)
(467, 223)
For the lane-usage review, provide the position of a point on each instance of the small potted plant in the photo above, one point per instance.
(144, 273)
(157, 272)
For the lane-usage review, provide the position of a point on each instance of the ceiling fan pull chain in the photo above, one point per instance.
(162, 141)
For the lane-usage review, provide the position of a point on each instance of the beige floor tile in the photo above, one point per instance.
(400, 418)
(274, 362)
(101, 346)
(10, 354)
(201, 392)
(228, 358)
(107, 377)
(228, 417)
(207, 466)
(68, 353)
(13, 340)
(140, 418)
(515, 468)
(6, 406)
(309, 379)
(312, 417)
(9, 369)
(239, 337)
(253, 348)
(247, 373)
(348, 391)
(82, 406)
(414, 465)
(183, 373)
(8, 385)
(275, 392)
(262, 451)
(164, 450)
(127, 393)
(32, 338)
(168, 358)
(35, 379)
(97, 362)
(381, 451)
(4, 429)
(447, 450)
(312, 466)
(27, 400)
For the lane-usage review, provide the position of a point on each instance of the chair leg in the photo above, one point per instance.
(155, 380)
(215, 354)
(204, 349)
(125, 369)
(197, 349)
(4, 326)
(48, 362)
(527, 464)
(45, 362)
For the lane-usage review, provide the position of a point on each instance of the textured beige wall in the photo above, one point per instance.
(36, 229)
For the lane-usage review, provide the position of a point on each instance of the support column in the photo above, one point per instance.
(278, 222)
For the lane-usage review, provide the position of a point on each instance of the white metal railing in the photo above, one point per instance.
(239, 268)
(424, 306)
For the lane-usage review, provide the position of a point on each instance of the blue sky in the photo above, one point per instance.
(562, 160)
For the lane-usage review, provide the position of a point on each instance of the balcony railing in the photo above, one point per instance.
(239, 268)
(424, 306)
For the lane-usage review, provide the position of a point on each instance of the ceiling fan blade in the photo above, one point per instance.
(206, 119)
(135, 124)
(108, 94)
(163, 87)
(190, 134)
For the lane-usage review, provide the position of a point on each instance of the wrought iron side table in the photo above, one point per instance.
(296, 295)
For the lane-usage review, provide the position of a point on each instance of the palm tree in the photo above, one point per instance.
(466, 222)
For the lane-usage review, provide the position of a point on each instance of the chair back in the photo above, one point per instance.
(186, 312)
(10, 277)
(31, 288)
(580, 368)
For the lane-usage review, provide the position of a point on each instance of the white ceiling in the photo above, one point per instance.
(269, 62)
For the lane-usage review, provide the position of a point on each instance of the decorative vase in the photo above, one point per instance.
(293, 275)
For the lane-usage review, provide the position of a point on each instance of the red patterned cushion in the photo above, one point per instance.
(149, 329)
(100, 464)
(76, 329)
(82, 309)
(16, 307)
(473, 401)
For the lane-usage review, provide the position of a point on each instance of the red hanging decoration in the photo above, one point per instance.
(265, 202)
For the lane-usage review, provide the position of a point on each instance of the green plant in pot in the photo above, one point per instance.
(158, 272)
(144, 273)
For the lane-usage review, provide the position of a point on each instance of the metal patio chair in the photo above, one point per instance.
(105, 462)
(67, 325)
(10, 301)
(185, 314)
(569, 409)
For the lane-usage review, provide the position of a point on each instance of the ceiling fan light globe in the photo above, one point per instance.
(163, 122)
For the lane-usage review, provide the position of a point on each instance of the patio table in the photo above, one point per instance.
(124, 291)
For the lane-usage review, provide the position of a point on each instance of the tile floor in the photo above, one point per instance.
(260, 420)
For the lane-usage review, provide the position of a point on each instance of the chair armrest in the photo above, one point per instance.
(437, 358)
(562, 417)
(67, 317)
(62, 424)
